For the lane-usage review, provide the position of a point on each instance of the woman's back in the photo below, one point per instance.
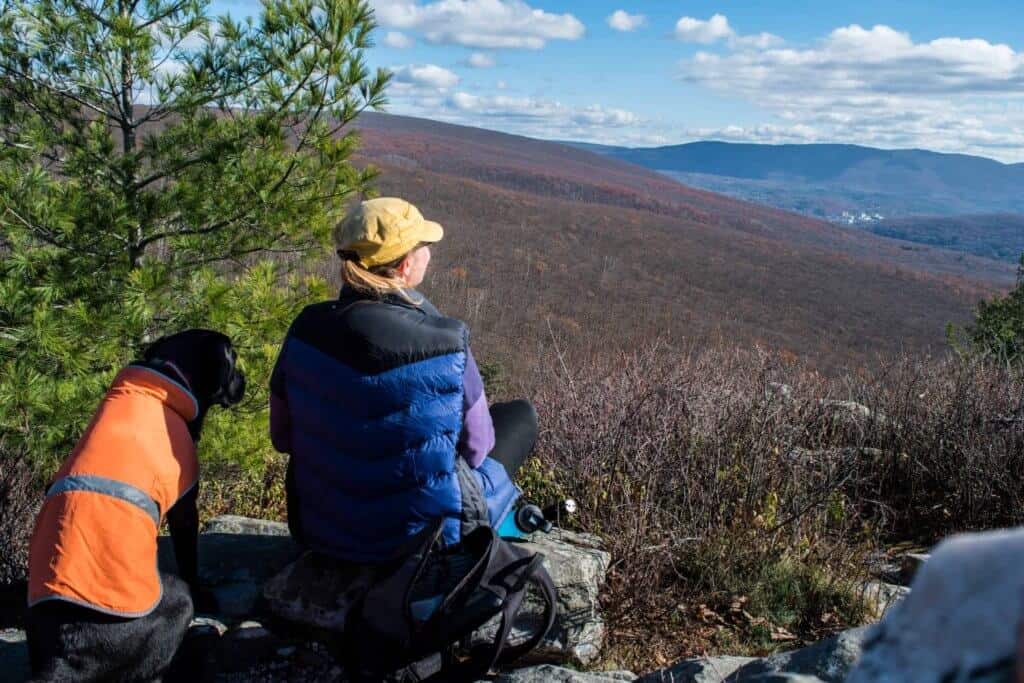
(374, 393)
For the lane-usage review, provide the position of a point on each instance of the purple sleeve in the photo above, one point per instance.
(280, 418)
(477, 438)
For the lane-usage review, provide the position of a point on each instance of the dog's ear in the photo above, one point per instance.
(208, 361)
(231, 379)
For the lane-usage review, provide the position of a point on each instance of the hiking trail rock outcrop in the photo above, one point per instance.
(256, 571)
(959, 621)
(250, 567)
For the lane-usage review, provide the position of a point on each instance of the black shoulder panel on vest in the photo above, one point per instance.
(376, 336)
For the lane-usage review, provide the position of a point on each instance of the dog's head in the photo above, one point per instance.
(208, 362)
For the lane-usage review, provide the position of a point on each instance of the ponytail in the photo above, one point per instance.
(378, 281)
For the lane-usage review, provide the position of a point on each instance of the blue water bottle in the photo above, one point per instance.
(523, 521)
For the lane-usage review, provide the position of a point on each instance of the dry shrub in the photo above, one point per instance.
(951, 436)
(740, 512)
(231, 489)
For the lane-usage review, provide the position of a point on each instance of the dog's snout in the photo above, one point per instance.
(236, 389)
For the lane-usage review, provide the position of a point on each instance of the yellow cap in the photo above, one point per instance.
(383, 230)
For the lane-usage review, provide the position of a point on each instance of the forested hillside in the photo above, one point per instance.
(551, 243)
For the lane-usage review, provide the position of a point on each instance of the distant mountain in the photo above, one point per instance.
(827, 180)
(553, 248)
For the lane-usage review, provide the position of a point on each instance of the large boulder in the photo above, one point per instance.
(314, 595)
(236, 556)
(699, 670)
(828, 661)
(960, 620)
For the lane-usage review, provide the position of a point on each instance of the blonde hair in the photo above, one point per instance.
(378, 281)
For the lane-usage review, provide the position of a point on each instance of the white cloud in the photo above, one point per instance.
(479, 23)
(539, 117)
(759, 40)
(690, 30)
(425, 75)
(765, 133)
(876, 86)
(620, 20)
(502, 85)
(397, 39)
(507, 106)
(716, 29)
(480, 60)
(857, 60)
(599, 116)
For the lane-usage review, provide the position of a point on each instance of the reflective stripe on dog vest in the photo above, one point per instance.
(95, 539)
(109, 487)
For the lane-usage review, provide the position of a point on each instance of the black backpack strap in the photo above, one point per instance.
(394, 599)
(377, 636)
(485, 657)
(539, 577)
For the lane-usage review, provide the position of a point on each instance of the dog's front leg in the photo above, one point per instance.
(183, 522)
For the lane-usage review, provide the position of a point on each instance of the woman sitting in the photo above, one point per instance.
(378, 401)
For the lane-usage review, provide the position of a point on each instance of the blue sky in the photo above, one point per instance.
(947, 76)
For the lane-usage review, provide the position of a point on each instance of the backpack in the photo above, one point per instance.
(411, 619)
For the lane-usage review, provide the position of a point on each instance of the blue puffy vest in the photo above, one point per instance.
(375, 401)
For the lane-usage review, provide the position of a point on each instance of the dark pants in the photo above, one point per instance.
(71, 643)
(515, 433)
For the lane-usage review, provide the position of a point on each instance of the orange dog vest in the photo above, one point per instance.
(95, 540)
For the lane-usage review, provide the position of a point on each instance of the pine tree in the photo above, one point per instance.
(162, 169)
(998, 329)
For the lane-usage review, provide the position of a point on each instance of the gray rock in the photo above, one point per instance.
(235, 524)
(13, 655)
(830, 660)
(885, 568)
(846, 408)
(547, 673)
(833, 456)
(315, 593)
(851, 413)
(959, 621)
(910, 565)
(783, 678)
(214, 625)
(699, 670)
(236, 556)
(577, 567)
(881, 597)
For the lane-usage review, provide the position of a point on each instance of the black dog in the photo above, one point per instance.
(69, 641)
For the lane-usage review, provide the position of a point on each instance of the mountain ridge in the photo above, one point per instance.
(822, 177)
